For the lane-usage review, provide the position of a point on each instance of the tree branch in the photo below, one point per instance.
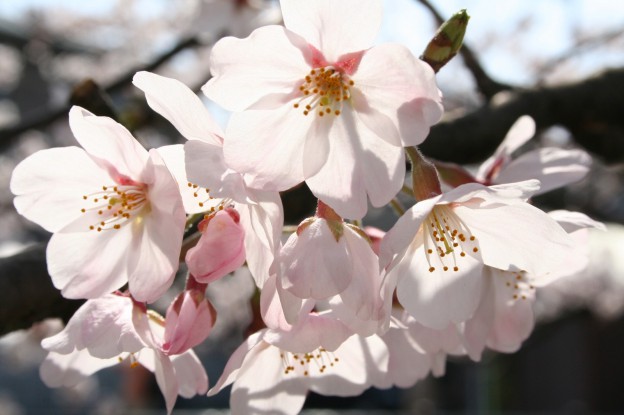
(26, 292)
(45, 117)
(590, 109)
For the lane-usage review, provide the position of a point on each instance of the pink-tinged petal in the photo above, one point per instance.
(268, 146)
(50, 185)
(78, 272)
(102, 326)
(271, 306)
(515, 237)
(402, 349)
(180, 106)
(436, 298)
(334, 27)
(358, 165)
(220, 249)
(513, 314)
(156, 250)
(311, 332)
(188, 322)
(553, 167)
(292, 306)
(363, 294)
(477, 329)
(263, 222)
(269, 64)
(274, 394)
(205, 166)
(165, 378)
(519, 133)
(398, 239)
(399, 99)
(109, 143)
(70, 369)
(315, 265)
(191, 375)
(235, 362)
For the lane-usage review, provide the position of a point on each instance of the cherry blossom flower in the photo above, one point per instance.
(327, 257)
(114, 208)
(436, 252)
(206, 182)
(317, 353)
(314, 101)
(505, 316)
(553, 167)
(111, 329)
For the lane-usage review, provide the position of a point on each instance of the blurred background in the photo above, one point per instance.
(561, 61)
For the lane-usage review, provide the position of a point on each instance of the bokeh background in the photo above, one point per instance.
(520, 55)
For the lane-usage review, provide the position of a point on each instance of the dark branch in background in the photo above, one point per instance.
(487, 86)
(591, 110)
(27, 293)
(44, 118)
(16, 36)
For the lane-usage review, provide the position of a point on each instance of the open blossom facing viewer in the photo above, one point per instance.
(436, 251)
(114, 208)
(314, 101)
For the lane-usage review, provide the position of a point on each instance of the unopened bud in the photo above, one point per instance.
(425, 180)
(447, 41)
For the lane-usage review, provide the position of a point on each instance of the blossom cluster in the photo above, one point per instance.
(345, 307)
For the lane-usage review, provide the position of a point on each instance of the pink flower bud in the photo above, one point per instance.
(189, 320)
(220, 249)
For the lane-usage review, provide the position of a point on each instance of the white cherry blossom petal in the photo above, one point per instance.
(268, 146)
(553, 167)
(277, 74)
(57, 169)
(399, 98)
(513, 238)
(109, 143)
(357, 168)
(334, 27)
(180, 106)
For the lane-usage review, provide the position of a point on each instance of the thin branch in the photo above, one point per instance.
(47, 116)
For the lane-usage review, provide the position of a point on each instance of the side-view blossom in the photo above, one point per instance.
(553, 167)
(203, 176)
(110, 330)
(327, 257)
(322, 104)
(505, 317)
(436, 252)
(114, 209)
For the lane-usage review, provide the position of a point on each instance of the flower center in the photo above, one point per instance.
(305, 363)
(446, 239)
(324, 90)
(116, 205)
